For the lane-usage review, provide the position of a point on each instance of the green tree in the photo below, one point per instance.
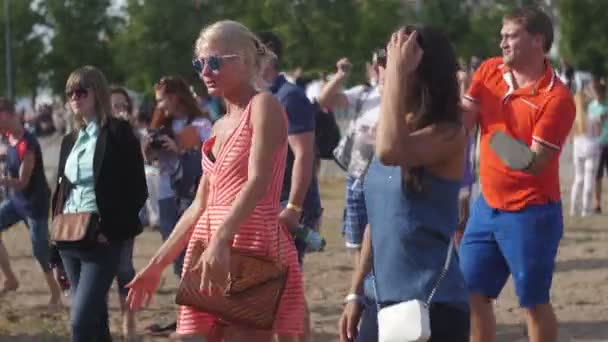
(158, 36)
(158, 39)
(27, 49)
(317, 33)
(81, 32)
(583, 27)
(474, 30)
(483, 38)
(450, 16)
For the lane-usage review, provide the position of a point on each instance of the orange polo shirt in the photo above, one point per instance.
(543, 112)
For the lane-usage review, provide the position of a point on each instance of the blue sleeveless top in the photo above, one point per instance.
(411, 233)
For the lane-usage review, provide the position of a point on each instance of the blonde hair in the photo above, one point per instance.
(92, 79)
(239, 39)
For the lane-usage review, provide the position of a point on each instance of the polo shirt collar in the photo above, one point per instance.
(544, 84)
(277, 83)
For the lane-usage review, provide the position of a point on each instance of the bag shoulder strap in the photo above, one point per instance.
(444, 272)
(60, 197)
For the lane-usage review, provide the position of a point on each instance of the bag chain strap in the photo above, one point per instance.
(442, 275)
(444, 272)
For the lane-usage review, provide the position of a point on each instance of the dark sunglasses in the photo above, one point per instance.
(79, 92)
(214, 62)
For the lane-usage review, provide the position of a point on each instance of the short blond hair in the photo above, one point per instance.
(91, 78)
(239, 39)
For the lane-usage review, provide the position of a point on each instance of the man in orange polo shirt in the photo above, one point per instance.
(516, 224)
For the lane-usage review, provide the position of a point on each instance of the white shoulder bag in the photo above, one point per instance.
(410, 320)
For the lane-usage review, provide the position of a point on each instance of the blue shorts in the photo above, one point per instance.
(522, 243)
(355, 213)
(38, 228)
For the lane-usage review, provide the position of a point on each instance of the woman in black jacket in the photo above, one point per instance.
(101, 171)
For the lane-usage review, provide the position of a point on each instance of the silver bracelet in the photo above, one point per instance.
(353, 297)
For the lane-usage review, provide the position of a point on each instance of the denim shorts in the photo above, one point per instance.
(355, 213)
(521, 243)
(38, 228)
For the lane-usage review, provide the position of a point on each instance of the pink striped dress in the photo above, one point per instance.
(258, 234)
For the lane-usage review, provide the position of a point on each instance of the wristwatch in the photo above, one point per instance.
(353, 297)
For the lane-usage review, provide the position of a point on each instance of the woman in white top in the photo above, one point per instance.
(586, 151)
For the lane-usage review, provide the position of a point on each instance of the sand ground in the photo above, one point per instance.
(580, 291)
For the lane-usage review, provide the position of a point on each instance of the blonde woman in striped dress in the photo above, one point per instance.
(237, 203)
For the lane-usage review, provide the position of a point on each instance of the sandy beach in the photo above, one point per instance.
(580, 290)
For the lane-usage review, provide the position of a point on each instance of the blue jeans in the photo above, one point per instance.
(91, 272)
(167, 212)
(38, 227)
(126, 271)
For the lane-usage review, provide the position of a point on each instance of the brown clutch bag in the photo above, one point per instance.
(250, 297)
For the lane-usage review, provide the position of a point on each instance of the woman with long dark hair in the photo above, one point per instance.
(412, 187)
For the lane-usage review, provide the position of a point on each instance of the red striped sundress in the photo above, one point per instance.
(259, 233)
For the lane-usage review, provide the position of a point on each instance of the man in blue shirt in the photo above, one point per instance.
(300, 192)
(300, 188)
(27, 199)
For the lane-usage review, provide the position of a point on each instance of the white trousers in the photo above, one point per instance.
(586, 154)
(151, 207)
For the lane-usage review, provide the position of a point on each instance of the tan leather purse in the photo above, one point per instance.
(75, 228)
(251, 295)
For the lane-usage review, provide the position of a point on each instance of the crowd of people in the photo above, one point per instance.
(238, 173)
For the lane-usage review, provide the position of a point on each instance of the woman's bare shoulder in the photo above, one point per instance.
(265, 106)
(266, 101)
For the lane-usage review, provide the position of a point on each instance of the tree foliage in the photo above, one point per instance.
(315, 33)
(27, 48)
(157, 39)
(584, 41)
(80, 34)
(147, 39)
